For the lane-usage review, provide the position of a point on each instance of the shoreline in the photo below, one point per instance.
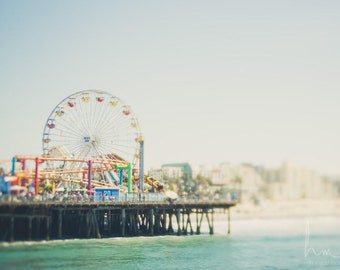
(278, 218)
(287, 209)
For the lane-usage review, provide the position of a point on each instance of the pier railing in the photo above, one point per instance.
(79, 198)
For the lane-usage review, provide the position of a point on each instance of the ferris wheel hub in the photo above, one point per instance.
(87, 139)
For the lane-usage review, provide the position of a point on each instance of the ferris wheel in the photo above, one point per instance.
(92, 124)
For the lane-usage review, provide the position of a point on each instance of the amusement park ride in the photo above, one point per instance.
(91, 140)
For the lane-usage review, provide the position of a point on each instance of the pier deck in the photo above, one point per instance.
(22, 221)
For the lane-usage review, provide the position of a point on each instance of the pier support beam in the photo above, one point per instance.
(178, 219)
(164, 221)
(11, 233)
(228, 220)
(151, 221)
(197, 227)
(94, 217)
(88, 225)
(188, 223)
(123, 222)
(200, 223)
(170, 228)
(29, 228)
(210, 224)
(47, 228)
(60, 223)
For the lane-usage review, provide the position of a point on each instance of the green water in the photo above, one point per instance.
(289, 250)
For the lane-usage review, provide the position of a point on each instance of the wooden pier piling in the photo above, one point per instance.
(228, 220)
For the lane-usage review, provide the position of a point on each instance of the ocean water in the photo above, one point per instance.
(282, 244)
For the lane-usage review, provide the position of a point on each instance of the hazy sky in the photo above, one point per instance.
(210, 81)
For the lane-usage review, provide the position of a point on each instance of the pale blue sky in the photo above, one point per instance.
(210, 81)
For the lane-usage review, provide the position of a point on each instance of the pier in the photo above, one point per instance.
(35, 221)
(93, 184)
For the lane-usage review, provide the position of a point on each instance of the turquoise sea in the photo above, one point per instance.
(298, 249)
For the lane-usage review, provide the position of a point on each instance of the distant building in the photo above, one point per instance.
(180, 171)
(257, 182)
(243, 179)
(292, 182)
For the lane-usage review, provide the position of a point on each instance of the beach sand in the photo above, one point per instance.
(288, 217)
(287, 208)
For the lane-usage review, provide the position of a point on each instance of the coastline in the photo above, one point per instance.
(277, 218)
(287, 209)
